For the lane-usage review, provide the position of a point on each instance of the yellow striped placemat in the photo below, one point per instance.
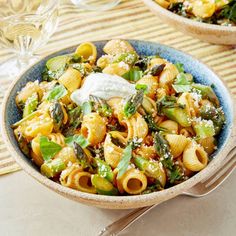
(130, 20)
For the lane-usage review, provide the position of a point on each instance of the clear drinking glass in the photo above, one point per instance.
(25, 25)
(96, 5)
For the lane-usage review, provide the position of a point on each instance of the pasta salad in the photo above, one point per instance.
(120, 124)
(220, 12)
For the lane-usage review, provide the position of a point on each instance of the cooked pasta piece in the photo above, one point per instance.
(177, 143)
(209, 144)
(93, 128)
(151, 83)
(137, 127)
(170, 125)
(71, 79)
(113, 147)
(116, 69)
(75, 178)
(194, 157)
(117, 46)
(132, 182)
(168, 74)
(88, 51)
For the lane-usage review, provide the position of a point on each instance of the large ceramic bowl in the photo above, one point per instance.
(216, 34)
(202, 74)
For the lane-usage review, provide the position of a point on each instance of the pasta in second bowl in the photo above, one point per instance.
(119, 118)
(195, 26)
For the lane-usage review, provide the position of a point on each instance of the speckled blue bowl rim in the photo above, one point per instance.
(201, 73)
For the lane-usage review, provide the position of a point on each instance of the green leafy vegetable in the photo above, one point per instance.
(133, 75)
(180, 67)
(182, 83)
(79, 139)
(124, 162)
(48, 148)
(59, 91)
(132, 103)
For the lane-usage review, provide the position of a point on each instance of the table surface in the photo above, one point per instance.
(28, 208)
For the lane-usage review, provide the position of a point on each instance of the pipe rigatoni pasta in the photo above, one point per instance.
(147, 126)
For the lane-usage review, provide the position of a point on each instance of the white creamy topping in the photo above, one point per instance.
(104, 86)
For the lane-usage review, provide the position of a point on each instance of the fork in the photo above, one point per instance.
(199, 190)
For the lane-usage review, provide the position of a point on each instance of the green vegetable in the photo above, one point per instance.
(150, 168)
(143, 87)
(48, 148)
(79, 139)
(204, 129)
(57, 63)
(124, 162)
(133, 75)
(180, 67)
(167, 102)
(182, 83)
(25, 119)
(75, 58)
(156, 70)
(75, 117)
(52, 167)
(163, 150)
(104, 170)
(132, 103)
(82, 156)
(101, 106)
(30, 105)
(179, 115)
(23, 143)
(229, 11)
(57, 114)
(59, 91)
(87, 108)
(153, 188)
(103, 186)
(48, 75)
(128, 57)
(207, 93)
(152, 124)
(216, 115)
(144, 61)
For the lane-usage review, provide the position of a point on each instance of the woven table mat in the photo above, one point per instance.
(130, 20)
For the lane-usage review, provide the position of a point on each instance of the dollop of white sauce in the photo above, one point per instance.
(104, 86)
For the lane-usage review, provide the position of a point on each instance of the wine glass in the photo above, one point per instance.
(96, 5)
(25, 25)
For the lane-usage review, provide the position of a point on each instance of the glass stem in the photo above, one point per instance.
(24, 44)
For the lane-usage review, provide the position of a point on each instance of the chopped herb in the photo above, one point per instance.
(48, 148)
(79, 139)
(133, 75)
